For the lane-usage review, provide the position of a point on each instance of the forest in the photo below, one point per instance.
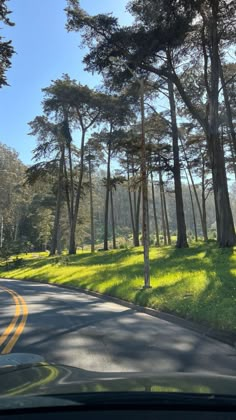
(147, 159)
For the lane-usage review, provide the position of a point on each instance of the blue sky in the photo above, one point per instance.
(44, 52)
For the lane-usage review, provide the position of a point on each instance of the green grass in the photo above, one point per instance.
(198, 283)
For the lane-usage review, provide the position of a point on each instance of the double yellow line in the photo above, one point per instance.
(14, 330)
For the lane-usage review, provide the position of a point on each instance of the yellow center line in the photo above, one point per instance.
(11, 326)
(21, 304)
(11, 343)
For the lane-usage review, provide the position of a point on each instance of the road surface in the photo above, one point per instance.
(84, 331)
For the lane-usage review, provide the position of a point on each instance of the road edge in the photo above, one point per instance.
(225, 337)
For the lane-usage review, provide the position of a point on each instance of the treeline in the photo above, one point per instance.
(164, 117)
(180, 48)
(27, 212)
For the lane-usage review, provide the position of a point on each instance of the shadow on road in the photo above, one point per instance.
(93, 334)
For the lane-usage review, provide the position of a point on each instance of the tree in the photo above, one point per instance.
(6, 49)
(181, 226)
(114, 182)
(51, 144)
(164, 158)
(154, 212)
(80, 107)
(129, 151)
(199, 161)
(78, 18)
(15, 198)
(116, 114)
(175, 26)
(94, 156)
(90, 158)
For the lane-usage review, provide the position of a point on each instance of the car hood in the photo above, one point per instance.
(29, 376)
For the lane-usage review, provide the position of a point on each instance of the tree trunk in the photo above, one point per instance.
(71, 172)
(137, 202)
(166, 216)
(59, 250)
(16, 230)
(72, 244)
(232, 153)
(204, 218)
(228, 109)
(225, 226)
(144, 177)
(137, 216)
(113, 222)
(1, 232)
(204, 231)
(58, 204)
(67, 193)
(230, 128)
(224, 219)
(162, 209)
(180, 219)
(91, 207)
(131, 207)
(192, 205)
(155, 213)
(107, 194)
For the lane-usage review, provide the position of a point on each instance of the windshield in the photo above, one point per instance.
(118, 196)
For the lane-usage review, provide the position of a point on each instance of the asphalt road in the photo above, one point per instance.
(80, 330)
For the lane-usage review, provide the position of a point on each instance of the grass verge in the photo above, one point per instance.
(198, 283)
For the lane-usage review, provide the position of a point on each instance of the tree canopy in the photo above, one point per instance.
(6, 48)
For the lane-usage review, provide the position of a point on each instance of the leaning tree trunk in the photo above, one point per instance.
(228, 108)
(72, 244)
(58, 204)
(155, 212)
(230, 128)
(180, 219)
(232, 153)
(107, 195)
(224, 220)
(113, 221)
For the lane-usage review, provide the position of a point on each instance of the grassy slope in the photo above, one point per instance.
(197, 283)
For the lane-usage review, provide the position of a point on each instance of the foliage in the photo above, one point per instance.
(6, 49)
(162, 46)
(188, 146)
